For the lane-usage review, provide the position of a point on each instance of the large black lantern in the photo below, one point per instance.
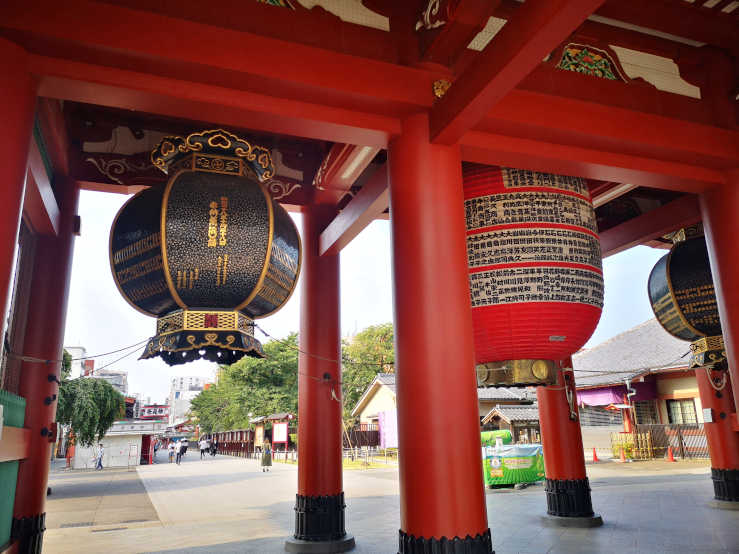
(208, 252)
(683, 297)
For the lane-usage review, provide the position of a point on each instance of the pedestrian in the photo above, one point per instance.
(185, 444)
(101, 451)
(214, 447)
(266, 456)
(204, 446)
(180, 451)
(171, 451)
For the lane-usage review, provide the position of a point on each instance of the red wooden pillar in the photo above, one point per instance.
(719, 208)
(44, 338)
(723, 440)
(17, 104)
(567, 486)
(441, 487)
(319, 504)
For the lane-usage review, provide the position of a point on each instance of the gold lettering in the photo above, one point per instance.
(212, 224)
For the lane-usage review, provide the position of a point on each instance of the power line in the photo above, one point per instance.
(33, 359)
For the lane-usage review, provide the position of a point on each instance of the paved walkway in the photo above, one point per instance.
(225, 505)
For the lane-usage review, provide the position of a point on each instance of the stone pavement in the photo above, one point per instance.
(224, 505)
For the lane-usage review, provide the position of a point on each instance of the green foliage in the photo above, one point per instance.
(260, 387)
(368, 353)
(266, 386)
(66, 365)
(89, 407)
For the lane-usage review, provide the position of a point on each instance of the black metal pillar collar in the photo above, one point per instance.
(569, 498)
(725, 484)
(28, 532)
(479, 544)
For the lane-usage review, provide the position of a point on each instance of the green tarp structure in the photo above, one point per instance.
(14, 413)
(487, 438)
(512, 463)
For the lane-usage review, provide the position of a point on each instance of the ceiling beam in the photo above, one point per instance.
(39, 204)
(369, 203)
(120, 88)
(615, 191)
(445, 44)
(590, 163)
(651, 225)
(315, 27)
(677, 18)
(588, 124)
(339, 170)
(534, 31)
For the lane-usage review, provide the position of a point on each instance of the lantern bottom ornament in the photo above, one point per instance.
(215, 335)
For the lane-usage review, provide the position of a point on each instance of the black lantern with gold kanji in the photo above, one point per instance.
(208, 252)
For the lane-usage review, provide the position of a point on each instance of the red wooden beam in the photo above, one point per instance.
(14, 443)
(593, 125)
(195, 52)
(676, 18)
(107, 86)
(54, 130)
(39, 204)
(591, 163)
(315, 27)
(445, 44)
(369, 203)
(341, 167)
(533, 32)
(656, 223)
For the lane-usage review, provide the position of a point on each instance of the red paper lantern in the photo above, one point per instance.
(536, 280)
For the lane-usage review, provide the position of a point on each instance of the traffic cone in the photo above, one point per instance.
(623, 456)
(595, 456)
(670, 457)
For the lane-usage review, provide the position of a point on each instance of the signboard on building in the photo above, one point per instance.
(155, 411)
(279, 433)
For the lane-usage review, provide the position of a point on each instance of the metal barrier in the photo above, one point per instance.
(650, 441)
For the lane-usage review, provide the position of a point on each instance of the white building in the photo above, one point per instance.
(181, 393)
(119, 379)
(78, 365)
(123, 445)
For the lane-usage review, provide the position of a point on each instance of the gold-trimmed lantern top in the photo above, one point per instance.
(216, 150)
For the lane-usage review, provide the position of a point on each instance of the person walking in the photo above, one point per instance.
(266, 456)
(204, 446)
(171, 451)
(214, 447)
(101, 451)
(180, 449)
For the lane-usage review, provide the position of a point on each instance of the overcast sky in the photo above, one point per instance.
(100, 320)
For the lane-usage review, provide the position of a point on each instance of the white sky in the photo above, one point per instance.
(101, 320)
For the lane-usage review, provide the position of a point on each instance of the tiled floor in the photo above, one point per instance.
(228, 505)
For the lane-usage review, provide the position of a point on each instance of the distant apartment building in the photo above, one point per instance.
(119, 379)
(181, 393)
(78, 364)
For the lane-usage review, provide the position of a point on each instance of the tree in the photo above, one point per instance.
(88, 406)
(368, 353)
(257, 386)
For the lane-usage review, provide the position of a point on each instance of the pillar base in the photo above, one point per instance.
(479, 544)
(320, 519)
(343, 544)
(582, 522)
(724, 505)
(569, 498)
(28, 532)
(725, 484)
